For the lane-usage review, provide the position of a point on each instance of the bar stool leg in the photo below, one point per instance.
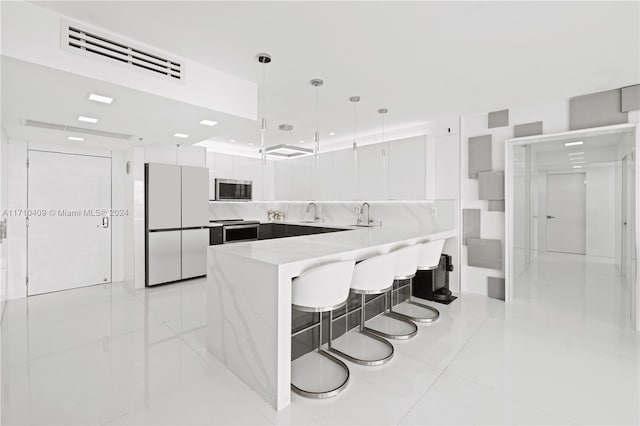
(420, 305)
(340, 387)
(366, 331)
(389, 313)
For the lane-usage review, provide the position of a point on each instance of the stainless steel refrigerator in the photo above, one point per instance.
(177, 219)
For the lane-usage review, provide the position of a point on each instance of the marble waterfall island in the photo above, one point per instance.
(249, 296)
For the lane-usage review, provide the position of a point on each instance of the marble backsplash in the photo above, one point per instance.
(437, 213)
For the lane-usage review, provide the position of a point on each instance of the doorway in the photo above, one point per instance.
(566, 213)
(580, 224)
(69, 229)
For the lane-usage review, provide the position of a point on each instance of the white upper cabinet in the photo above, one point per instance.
(343, 179)
(322, 178)
(223, 166)
(263, 180)
(293, 179)
(416, 168)
(242, 167)
(194, 156)
(407, 169)
(373, 172)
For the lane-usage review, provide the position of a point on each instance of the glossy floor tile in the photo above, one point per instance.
(562, 353)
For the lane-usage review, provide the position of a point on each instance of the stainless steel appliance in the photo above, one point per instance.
(235, 230)
(177, 219)
(233, 190)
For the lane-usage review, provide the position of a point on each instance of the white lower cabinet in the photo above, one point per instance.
(165, 257)
(194, 252)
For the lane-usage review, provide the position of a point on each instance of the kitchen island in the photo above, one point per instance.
(249, 296)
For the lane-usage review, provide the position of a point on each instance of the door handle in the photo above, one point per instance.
(550, 217)
(105, 222)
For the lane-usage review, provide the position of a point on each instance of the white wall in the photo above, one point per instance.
(4, 162)
(32, 33)
(555, 118)
(601, 210)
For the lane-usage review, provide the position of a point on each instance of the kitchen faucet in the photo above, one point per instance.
(315, 211)
(361, 212)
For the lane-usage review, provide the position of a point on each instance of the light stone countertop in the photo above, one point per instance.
(282, 251)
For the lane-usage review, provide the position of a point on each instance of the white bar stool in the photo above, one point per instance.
(323, 289)
(371, 276)
(410, 260)
(405, 268)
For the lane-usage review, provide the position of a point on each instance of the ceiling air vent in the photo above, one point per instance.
(89, 42)
(74, 129)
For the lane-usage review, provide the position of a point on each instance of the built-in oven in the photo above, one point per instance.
(233, 190)
(236, 230)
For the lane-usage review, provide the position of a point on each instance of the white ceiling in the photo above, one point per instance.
(35, 92)
(419, 59)
(596, 149)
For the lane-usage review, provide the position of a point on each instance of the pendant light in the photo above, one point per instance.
(354, 101)
(264, 59)
(316, 82)
(383, 112)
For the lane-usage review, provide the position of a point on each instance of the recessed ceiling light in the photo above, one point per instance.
(300, 141)
(578, 162)
(100, 98)
(577, 167)
(573, 143)
(251, 143)
(576, 153)
(180, 135)
(332, 133)
(87, 119)
(575, 158)
(75, 138)
(210, 123)
(232, 140)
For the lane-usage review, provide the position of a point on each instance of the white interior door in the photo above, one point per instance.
(69, 230)
(566, 213)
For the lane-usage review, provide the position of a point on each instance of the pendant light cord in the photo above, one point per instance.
(355, 126)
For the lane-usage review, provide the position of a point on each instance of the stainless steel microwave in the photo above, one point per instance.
(233, 190)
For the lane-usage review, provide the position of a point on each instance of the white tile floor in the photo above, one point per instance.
(562, 354)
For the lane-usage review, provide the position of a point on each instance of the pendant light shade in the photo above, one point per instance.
(316, 82)
(264, 59)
